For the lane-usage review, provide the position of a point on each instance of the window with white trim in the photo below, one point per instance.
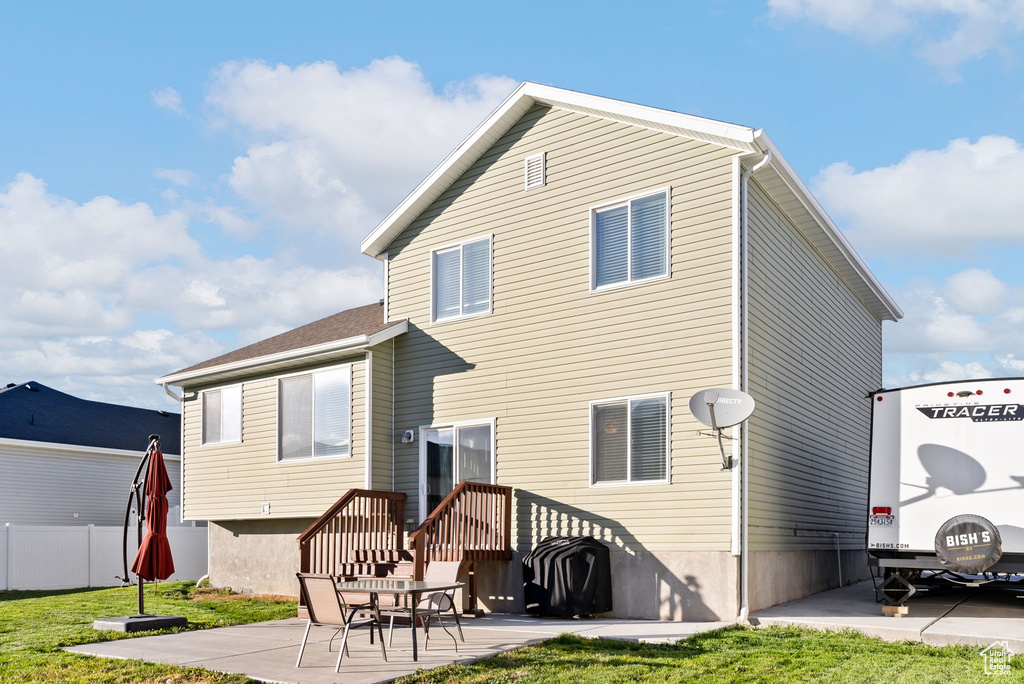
(630, 241)
(630, 440)
(315, 414)
(461, 280)
(222, 415)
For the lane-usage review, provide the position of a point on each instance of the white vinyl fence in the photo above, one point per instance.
(69, 557)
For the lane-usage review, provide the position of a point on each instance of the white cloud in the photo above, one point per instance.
(335, 150)
(168, 98)
(83, 282)
(180, 177)
(975, 291)
(933, 202)
(979, 26)
(943, 371)
(1010, 362)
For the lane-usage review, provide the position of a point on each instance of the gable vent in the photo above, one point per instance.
(536, 171)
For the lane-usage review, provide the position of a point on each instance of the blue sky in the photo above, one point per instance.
(178, 180)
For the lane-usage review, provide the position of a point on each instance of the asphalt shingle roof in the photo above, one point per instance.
(32, 411)
(363, 320)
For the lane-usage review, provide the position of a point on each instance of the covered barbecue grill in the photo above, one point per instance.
(567, 576)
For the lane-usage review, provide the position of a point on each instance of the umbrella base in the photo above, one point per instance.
(140, 623)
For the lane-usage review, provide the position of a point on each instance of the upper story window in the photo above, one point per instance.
(629, 442)
(315, 414)
(461, 284)
(630, 241)
(222, 415)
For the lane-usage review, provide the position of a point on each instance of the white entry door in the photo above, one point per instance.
(451, 454)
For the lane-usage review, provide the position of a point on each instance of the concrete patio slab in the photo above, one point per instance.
(267, 651)
(943, 617)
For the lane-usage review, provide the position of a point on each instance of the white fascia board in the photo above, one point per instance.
(303, 353)
(77, 448)
(804, 196)
(507, 113)
(447, 171)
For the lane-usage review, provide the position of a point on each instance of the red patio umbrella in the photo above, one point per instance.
(153, 561)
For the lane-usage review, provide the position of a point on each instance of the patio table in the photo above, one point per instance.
(412, 588)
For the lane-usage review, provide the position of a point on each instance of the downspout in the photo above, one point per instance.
(181, 442)
(745, 386)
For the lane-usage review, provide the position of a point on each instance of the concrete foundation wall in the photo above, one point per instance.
(663, 585)
(262, 556)
(259, 556)
(780, 576)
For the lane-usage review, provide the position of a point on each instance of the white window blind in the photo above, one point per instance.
(462, 280)
(631, 241)
(331, 415)
(222, 415)
(536, 171)
(630, 440)
(315, 415)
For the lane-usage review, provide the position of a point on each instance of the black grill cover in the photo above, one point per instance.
(566, 576)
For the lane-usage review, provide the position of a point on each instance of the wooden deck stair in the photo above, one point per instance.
(361, 537)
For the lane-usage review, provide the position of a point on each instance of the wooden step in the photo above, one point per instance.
(382, 556)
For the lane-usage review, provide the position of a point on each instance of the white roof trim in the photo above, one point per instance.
(77, 448)
(744, 139)
(311, 353)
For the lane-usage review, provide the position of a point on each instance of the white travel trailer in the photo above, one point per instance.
(946, 485)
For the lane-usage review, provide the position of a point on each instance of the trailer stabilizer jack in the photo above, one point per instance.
(895, 590)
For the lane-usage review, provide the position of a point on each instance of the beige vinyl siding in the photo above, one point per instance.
(383, 434)
(815, 352)
(48, 486)
(232, 481)
(550, 347)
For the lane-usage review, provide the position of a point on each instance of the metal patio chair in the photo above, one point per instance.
(325, 607)
(432, 605)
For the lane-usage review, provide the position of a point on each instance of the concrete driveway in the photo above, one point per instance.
(266, 651)
(974, 617)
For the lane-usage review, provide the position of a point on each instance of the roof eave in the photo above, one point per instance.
(508, 112)
(311, 354)
(890, 309)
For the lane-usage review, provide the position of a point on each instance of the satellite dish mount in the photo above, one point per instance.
(719, 409)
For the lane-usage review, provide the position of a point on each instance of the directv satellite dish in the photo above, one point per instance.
(721, 408)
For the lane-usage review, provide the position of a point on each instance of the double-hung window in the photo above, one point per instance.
(315, 414)
(630, 241)
(461, 280)
(629, 440)
(222, 415)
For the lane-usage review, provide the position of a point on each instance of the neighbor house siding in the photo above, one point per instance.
(815, 353)
(49, 486)
(550, 347)
(232, 481)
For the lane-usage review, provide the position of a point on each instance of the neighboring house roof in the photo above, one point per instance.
(320, 340)
(777, 177)
(37, 413)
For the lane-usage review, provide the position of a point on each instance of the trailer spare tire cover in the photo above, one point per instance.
(968, 544)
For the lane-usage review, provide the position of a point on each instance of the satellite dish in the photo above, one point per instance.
(721, 408)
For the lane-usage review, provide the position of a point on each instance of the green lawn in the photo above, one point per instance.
(34, 625)
(773, 654)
